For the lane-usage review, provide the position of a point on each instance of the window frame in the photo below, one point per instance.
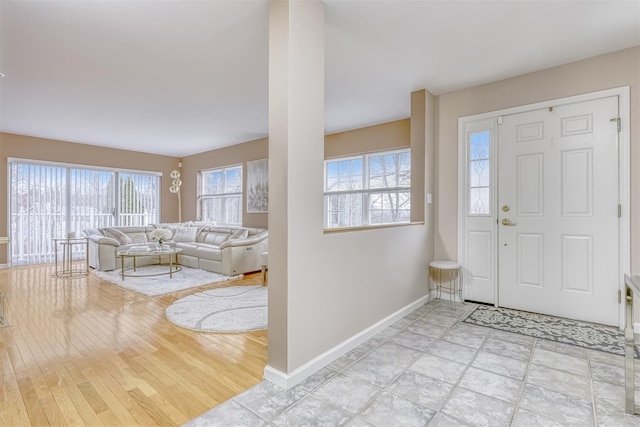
(202, 197)
(365, 190)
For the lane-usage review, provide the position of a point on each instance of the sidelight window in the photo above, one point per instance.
(479, 173)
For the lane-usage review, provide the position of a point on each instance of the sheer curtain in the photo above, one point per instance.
(48, 200)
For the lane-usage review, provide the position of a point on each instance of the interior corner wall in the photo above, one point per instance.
(227, 156)
(418, 138)
(26, 147)
(609, 71)
(430, 132)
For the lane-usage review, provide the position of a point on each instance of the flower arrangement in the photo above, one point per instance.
(160, 235)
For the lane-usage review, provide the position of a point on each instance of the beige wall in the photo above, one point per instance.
(603, 72)
(26, 147)
(232, 155)
(386, 136)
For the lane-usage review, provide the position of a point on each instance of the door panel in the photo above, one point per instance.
(558, 178)
(577, 182)
(480, 263)
(530, 173)
(530, 267)
(576, 254)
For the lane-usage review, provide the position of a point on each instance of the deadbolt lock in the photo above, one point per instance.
(505, 208)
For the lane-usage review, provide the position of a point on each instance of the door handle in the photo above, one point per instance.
(508, 222)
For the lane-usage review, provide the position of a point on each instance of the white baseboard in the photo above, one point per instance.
(298, 375)
(4, 266)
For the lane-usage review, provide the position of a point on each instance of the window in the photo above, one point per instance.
(369, 189)
(48, 200)
(220, 195)
(479, 174)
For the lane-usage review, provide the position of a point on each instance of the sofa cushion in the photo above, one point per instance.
(114, 233)
(210, 252)
(213, 238)
(139, 238)
(185, 234)
(188, 248)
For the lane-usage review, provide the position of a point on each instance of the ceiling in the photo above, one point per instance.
(182, 77)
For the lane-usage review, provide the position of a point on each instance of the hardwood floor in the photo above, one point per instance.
(87, 352)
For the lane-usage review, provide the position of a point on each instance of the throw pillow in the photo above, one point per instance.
(139, 239)
(171, 229)
(185, 234)
(91, 231)
(122, 238)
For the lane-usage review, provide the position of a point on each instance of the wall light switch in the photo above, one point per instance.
(429, 198)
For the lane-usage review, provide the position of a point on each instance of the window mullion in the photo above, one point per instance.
(366, 197)
(116, 203)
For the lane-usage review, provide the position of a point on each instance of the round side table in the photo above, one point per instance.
(67, 270)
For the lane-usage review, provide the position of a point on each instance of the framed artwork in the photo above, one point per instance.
(258, 186)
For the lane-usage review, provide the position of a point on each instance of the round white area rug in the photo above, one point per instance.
(233, 309)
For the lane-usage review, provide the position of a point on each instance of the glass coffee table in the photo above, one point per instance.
(134, 254)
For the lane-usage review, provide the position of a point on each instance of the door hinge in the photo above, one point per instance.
(619, 211)
(619, 296)
(618, 122)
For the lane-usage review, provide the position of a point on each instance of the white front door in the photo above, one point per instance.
(557, 211)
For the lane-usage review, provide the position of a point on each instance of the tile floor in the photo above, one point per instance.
(430, 369)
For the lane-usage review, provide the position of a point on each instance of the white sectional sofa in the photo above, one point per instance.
(227, 250)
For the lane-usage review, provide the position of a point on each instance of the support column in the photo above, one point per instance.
(418, 135)
(296, 155)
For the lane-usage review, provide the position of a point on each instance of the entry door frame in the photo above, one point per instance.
(469, 123)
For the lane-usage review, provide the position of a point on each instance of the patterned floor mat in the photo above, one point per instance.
(588, 335)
